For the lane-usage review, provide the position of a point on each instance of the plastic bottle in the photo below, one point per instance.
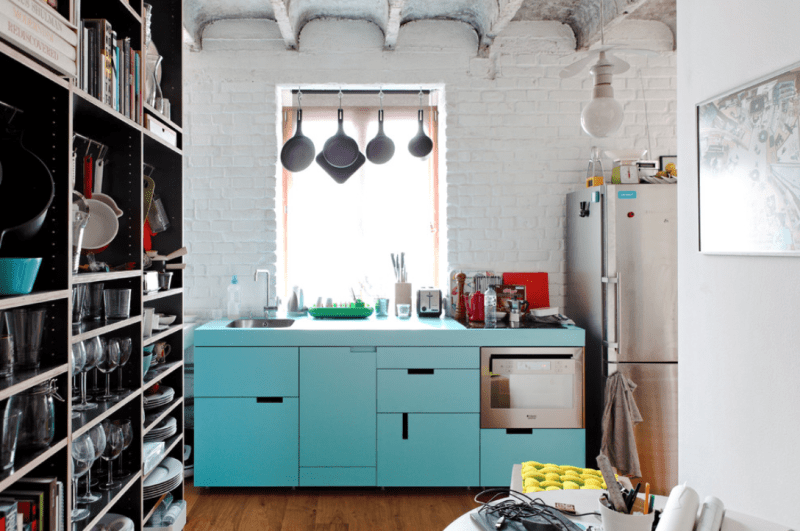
(234, 298)
(490, 308)
(173, 512)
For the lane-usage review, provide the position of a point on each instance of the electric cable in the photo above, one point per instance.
(520, 506)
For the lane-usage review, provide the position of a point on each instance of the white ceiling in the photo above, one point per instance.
(487, 17)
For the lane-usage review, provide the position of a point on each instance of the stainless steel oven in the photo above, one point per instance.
(532, 387)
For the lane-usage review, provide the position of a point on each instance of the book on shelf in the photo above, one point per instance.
(30, 504)
(8, 510)
(50, 508)
(41, 32)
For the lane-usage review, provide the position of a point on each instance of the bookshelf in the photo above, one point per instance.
(55, 112)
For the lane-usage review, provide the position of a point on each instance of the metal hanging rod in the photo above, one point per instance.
(7, 106)
(103, 147)
(306, 92)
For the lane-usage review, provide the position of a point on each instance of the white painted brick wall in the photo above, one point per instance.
(514, 145)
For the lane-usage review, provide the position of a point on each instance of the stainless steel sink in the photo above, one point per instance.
(261, 323)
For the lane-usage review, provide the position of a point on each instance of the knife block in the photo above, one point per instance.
(402, 295)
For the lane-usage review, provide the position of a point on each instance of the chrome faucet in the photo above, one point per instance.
(267, 308)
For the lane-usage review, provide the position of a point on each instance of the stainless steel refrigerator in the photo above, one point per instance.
(621, 286)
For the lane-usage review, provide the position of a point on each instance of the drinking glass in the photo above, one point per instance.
(127, 435)
(126, 348)
(98, 437)
(403, 311)
(6, 355)
(117, 303)
(78, 304)
(94, 349)
(106, 364)
(78, 361)
(82, 459)
(115, 440)
(94, 302)
(27, 327)
(8, 438)
(95, 389)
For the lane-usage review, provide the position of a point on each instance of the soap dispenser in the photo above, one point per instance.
(234, 298)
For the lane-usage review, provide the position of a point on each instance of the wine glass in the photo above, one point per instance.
(106, 364)
(98, 437)
(82, 458)
(127, 434)
(78, 361)
(126, 348)
(94, 348)
(95, 388)
(114, 442)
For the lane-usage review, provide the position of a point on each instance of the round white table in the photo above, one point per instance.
(585, 501)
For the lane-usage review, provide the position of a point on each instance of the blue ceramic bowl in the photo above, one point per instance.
(17, 275)
(146, 359)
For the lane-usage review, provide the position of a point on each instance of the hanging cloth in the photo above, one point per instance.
(621, 414)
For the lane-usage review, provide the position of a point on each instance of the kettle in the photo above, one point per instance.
(475, 310)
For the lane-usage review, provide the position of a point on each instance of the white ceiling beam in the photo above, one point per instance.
(625, 8)
(284, 23)
(506, 11)
(393, 24)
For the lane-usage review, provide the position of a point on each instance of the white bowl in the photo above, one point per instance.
(166, 319)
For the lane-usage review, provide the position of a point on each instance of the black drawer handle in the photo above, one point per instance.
(420, 371)
(405, 425)
(269, 400)
(519, 431)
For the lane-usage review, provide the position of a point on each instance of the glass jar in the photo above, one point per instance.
(37, 415)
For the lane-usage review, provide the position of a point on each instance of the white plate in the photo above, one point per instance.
(116, 522)
(165, 393)
(166, 471)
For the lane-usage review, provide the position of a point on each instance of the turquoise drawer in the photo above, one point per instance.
(245, 371)
(429, 358)
(502, 449)
(351, 476)
(428, 449)
(428, 391)
(245, 442)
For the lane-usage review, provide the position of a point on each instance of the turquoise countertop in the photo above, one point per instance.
(383, 331)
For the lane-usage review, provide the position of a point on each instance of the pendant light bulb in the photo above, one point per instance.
(603, 115)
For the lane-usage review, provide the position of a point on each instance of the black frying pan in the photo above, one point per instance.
(420, 146)
(340, 150)
(26, 190)
(340, 175)
(381, 148)
(298, 152)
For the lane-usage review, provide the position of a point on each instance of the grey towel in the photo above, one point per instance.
(619, 417)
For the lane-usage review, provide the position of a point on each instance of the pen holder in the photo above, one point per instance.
(616, 521)
(402, 294)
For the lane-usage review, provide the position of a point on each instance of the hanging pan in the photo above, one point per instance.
(340, 150)
(27, 189)
(420, 146)
(381, 148)
(298, 152)
(340, 175)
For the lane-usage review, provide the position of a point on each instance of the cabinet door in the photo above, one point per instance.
(428, 449)
(337, 410)
(245, 371)
(502, 449)
(248, 442)
(429, 391)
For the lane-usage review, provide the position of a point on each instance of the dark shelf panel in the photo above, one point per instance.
(21, 380)
(158, 374)
(84, 423)
(85, 278)
(90, 329)
(25, 462)
(85, 103)
(161, 335)
(152, 136)
(15, 301)
(99, 508)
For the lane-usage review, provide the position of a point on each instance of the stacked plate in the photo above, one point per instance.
(114, 522)
(163, 430)
(162, 397)
(164, 477)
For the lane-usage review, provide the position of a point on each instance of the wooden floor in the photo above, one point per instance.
(324, 509)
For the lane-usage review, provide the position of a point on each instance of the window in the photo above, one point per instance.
(340, 236)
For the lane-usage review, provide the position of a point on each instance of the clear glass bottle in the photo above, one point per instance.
(490, 308)
(595, 168)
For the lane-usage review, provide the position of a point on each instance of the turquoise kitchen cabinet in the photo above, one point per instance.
(429, 358)
(337, 407)
(428, 391)
(337, 476)
(502, 449)
(245, 371)
(428, 449)
(247, 442)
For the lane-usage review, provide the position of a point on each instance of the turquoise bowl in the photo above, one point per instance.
(146, 359)
(17, 275)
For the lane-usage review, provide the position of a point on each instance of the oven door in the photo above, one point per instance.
(532, 387)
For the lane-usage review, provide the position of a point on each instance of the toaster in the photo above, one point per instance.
(429, 302)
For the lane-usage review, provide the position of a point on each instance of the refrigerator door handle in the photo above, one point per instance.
(617, 345)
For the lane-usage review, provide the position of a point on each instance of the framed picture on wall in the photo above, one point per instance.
(749, 168)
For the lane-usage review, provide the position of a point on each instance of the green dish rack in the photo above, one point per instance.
(356, 310)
